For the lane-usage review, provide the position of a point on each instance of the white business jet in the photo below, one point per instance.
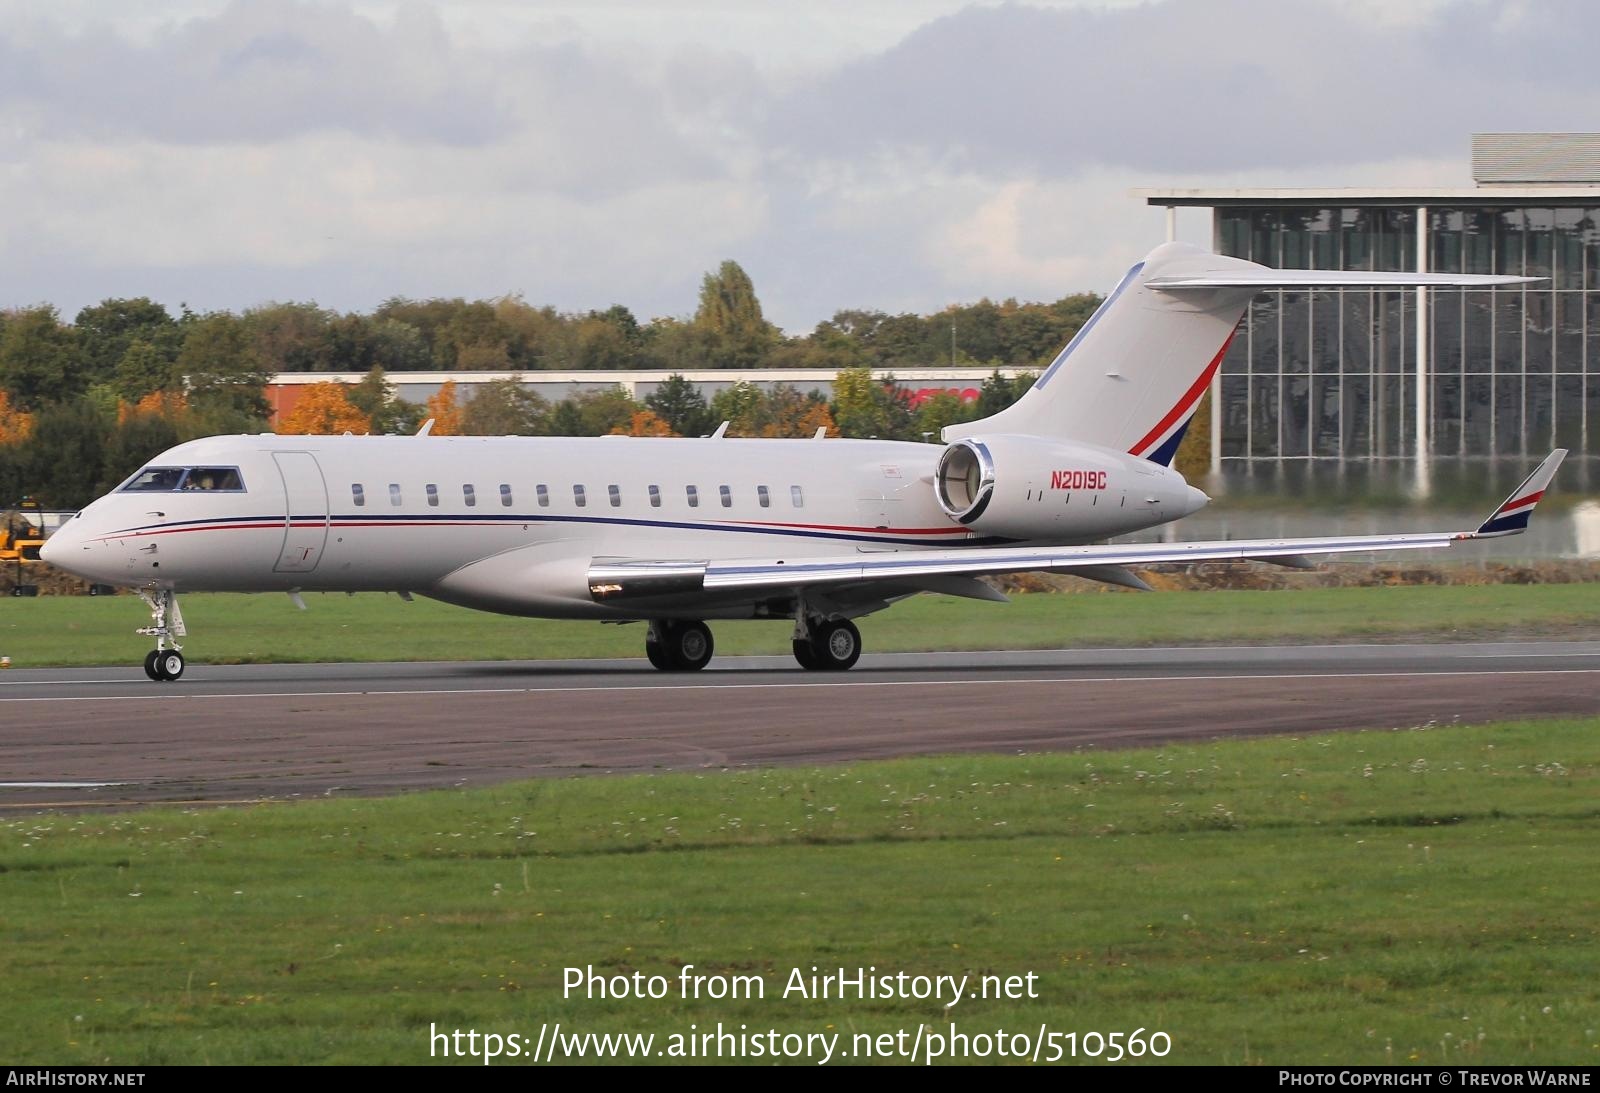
(673, 532)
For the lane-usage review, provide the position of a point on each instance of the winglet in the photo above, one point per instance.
(1512, 517)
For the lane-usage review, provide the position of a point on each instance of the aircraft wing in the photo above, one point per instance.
(620, 579)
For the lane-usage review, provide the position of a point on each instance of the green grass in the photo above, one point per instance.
(1424, 895)
(267, 628)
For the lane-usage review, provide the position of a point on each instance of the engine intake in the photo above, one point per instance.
(964, 481)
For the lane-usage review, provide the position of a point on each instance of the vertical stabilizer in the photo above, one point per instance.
(1132, 377)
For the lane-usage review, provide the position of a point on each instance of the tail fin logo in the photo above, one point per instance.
(1160, 444)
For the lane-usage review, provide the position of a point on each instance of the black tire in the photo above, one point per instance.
(836, 645)
(170, 664)
(805, 655)
(690, 646)
(150, 668)
(657, 652)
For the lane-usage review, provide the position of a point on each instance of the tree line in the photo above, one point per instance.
(85, 403)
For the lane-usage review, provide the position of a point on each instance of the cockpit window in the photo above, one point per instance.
(213, 478)
(155, 480)
(169, 479)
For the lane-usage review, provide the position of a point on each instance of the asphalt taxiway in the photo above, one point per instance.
(109, 737)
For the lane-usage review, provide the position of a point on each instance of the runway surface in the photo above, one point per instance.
(108, 736)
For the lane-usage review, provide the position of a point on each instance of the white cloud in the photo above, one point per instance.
(879, 153)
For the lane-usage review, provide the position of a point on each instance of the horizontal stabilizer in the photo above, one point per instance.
(1264, 278)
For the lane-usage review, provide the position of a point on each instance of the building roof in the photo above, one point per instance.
(1453, 196)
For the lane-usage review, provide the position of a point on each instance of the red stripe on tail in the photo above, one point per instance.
(1186, 403)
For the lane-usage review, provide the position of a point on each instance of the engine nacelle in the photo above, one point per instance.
(1028, 487)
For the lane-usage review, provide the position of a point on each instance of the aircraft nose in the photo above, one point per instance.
(66, 549)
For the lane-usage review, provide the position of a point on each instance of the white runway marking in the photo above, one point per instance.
(61, 785)
(167, 695)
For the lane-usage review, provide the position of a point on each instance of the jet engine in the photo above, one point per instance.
(1028, 487)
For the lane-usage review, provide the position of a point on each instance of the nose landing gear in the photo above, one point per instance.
(165, 662)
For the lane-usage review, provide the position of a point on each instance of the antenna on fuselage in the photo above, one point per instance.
(721, 429)
(427, 427)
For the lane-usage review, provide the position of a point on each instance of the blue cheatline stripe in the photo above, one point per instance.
(543, 518)
(1168, 451)
(1518, 522)
(1083, 331)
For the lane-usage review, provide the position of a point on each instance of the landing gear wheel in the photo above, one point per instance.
(163, 663)
(688, 645)
(836, 645)
(805, 655)
(657, 652)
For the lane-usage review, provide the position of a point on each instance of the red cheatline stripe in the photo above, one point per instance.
(1186, 403)
(1531, 499)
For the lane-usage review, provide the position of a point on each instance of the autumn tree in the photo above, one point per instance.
(15, 424)
(324, 410)
(445, 410)
(644, 423)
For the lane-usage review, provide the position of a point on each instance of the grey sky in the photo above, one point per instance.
(859, 154)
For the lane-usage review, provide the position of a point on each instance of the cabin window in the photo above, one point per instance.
(544, 495)
(505, 495)
(727, 496)
(693, 494)
(470, 496)
(358, 495)
(394, 493)
(578, 497)
(764, 497)
(797, 498)
(616, 496)
(433, 494)
(655, 497)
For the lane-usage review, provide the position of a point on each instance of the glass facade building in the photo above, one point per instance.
(1336, 374)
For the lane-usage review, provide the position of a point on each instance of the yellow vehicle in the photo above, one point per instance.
(22, 532)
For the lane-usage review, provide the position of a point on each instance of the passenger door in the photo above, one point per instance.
(305, 531)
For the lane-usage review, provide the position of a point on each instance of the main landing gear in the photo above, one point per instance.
(675, 646)
(819, 645)
(165, 662)
(827, 645)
